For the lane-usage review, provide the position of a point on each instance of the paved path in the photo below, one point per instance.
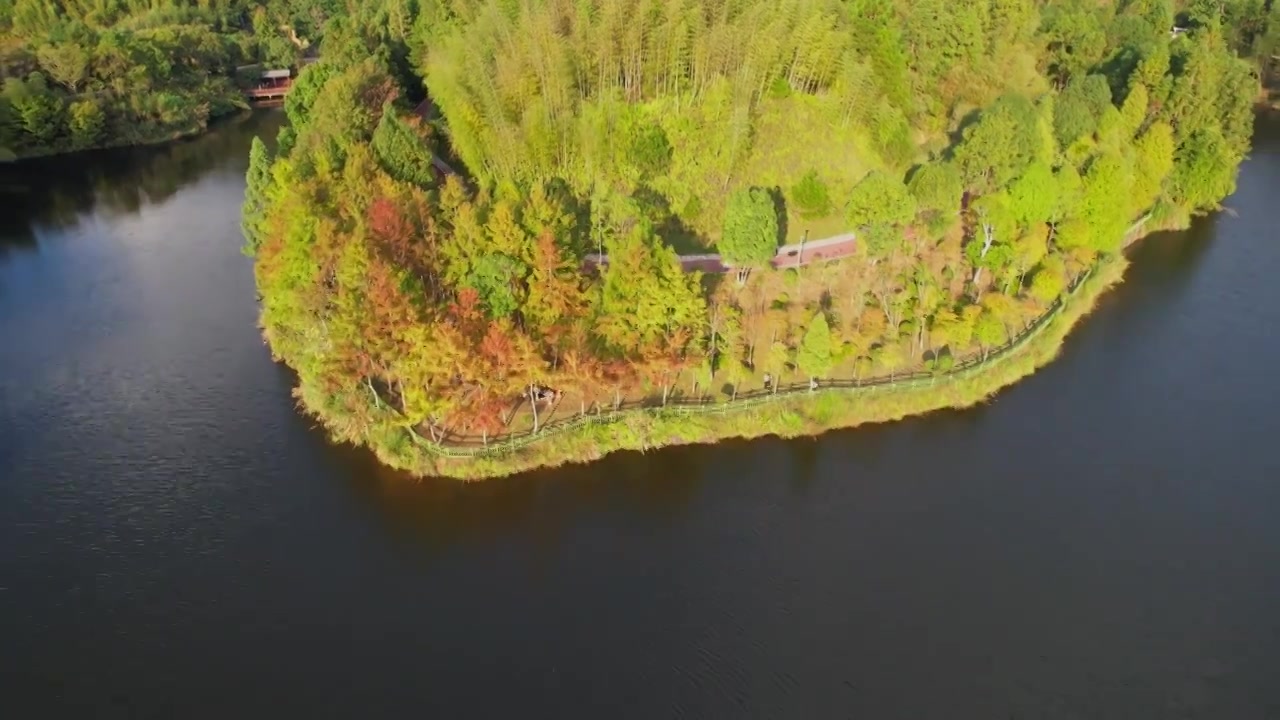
(832, 248)
(788, 256)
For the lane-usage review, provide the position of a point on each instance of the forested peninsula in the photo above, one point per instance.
(472, 239)
(81, 74)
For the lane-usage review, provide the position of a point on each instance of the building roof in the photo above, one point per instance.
(276, 74)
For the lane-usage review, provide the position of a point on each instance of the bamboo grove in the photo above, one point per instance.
(986, 154)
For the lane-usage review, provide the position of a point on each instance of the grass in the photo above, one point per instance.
(833, 224)
(794, 416)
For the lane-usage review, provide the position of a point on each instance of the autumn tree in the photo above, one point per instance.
(647, 303)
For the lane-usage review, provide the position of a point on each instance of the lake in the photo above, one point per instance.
(176, 540)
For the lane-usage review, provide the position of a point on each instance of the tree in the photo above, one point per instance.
(775, 362)
(890, 357)
(254, 211)
(990, 250)
(555, 294)
(1027, 252)
(1079, 108)
(1033, 195)
(85, 121)
(938, 189)
(39, 114)
(403, 147)
(1134, 110)
(66, 63)
(880, 205)
(951, 330)
(647, 304)
(728, 350)
(1075, 37)
(1000, 145)
(989, 332)
(1049, 281)
(1153, 161)
(811, 196)
(1204, 171)
(944, 33)
(813, 357)
(646, 148)
(750, 236)
(1108, 179)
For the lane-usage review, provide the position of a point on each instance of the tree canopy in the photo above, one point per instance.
(750, 236)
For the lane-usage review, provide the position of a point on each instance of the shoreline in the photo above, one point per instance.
(784, 416)
(173, 137)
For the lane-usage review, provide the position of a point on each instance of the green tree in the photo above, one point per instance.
(497, 278)
(403, 147)
(257, 180)
(1000, 145)
(880, 200)
(813, 356)
(1075, 37)
(989, 332)
(750, 236)
(647, 304)
(880, 205)
(1204, 171)
(67, 64)
(1033, 195)
(40, 116)
(1049, 281)
(85, 121)
(1078, 110)
(938, 189)
(1153, 161)
(1134, 110)
(990, 248)
(1108, 179)
(811, 196)
(890, 357)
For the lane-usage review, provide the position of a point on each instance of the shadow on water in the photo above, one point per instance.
(57, 192)
(1171, 256)
(437, 513)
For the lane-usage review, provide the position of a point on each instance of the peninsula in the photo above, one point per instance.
(498, 236)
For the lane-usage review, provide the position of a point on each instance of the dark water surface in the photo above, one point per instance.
(1101, 541)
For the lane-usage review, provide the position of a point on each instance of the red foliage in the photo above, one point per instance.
(467, 313)
(387, 222)
(483, 414)
(547, 256)
(496, 345)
